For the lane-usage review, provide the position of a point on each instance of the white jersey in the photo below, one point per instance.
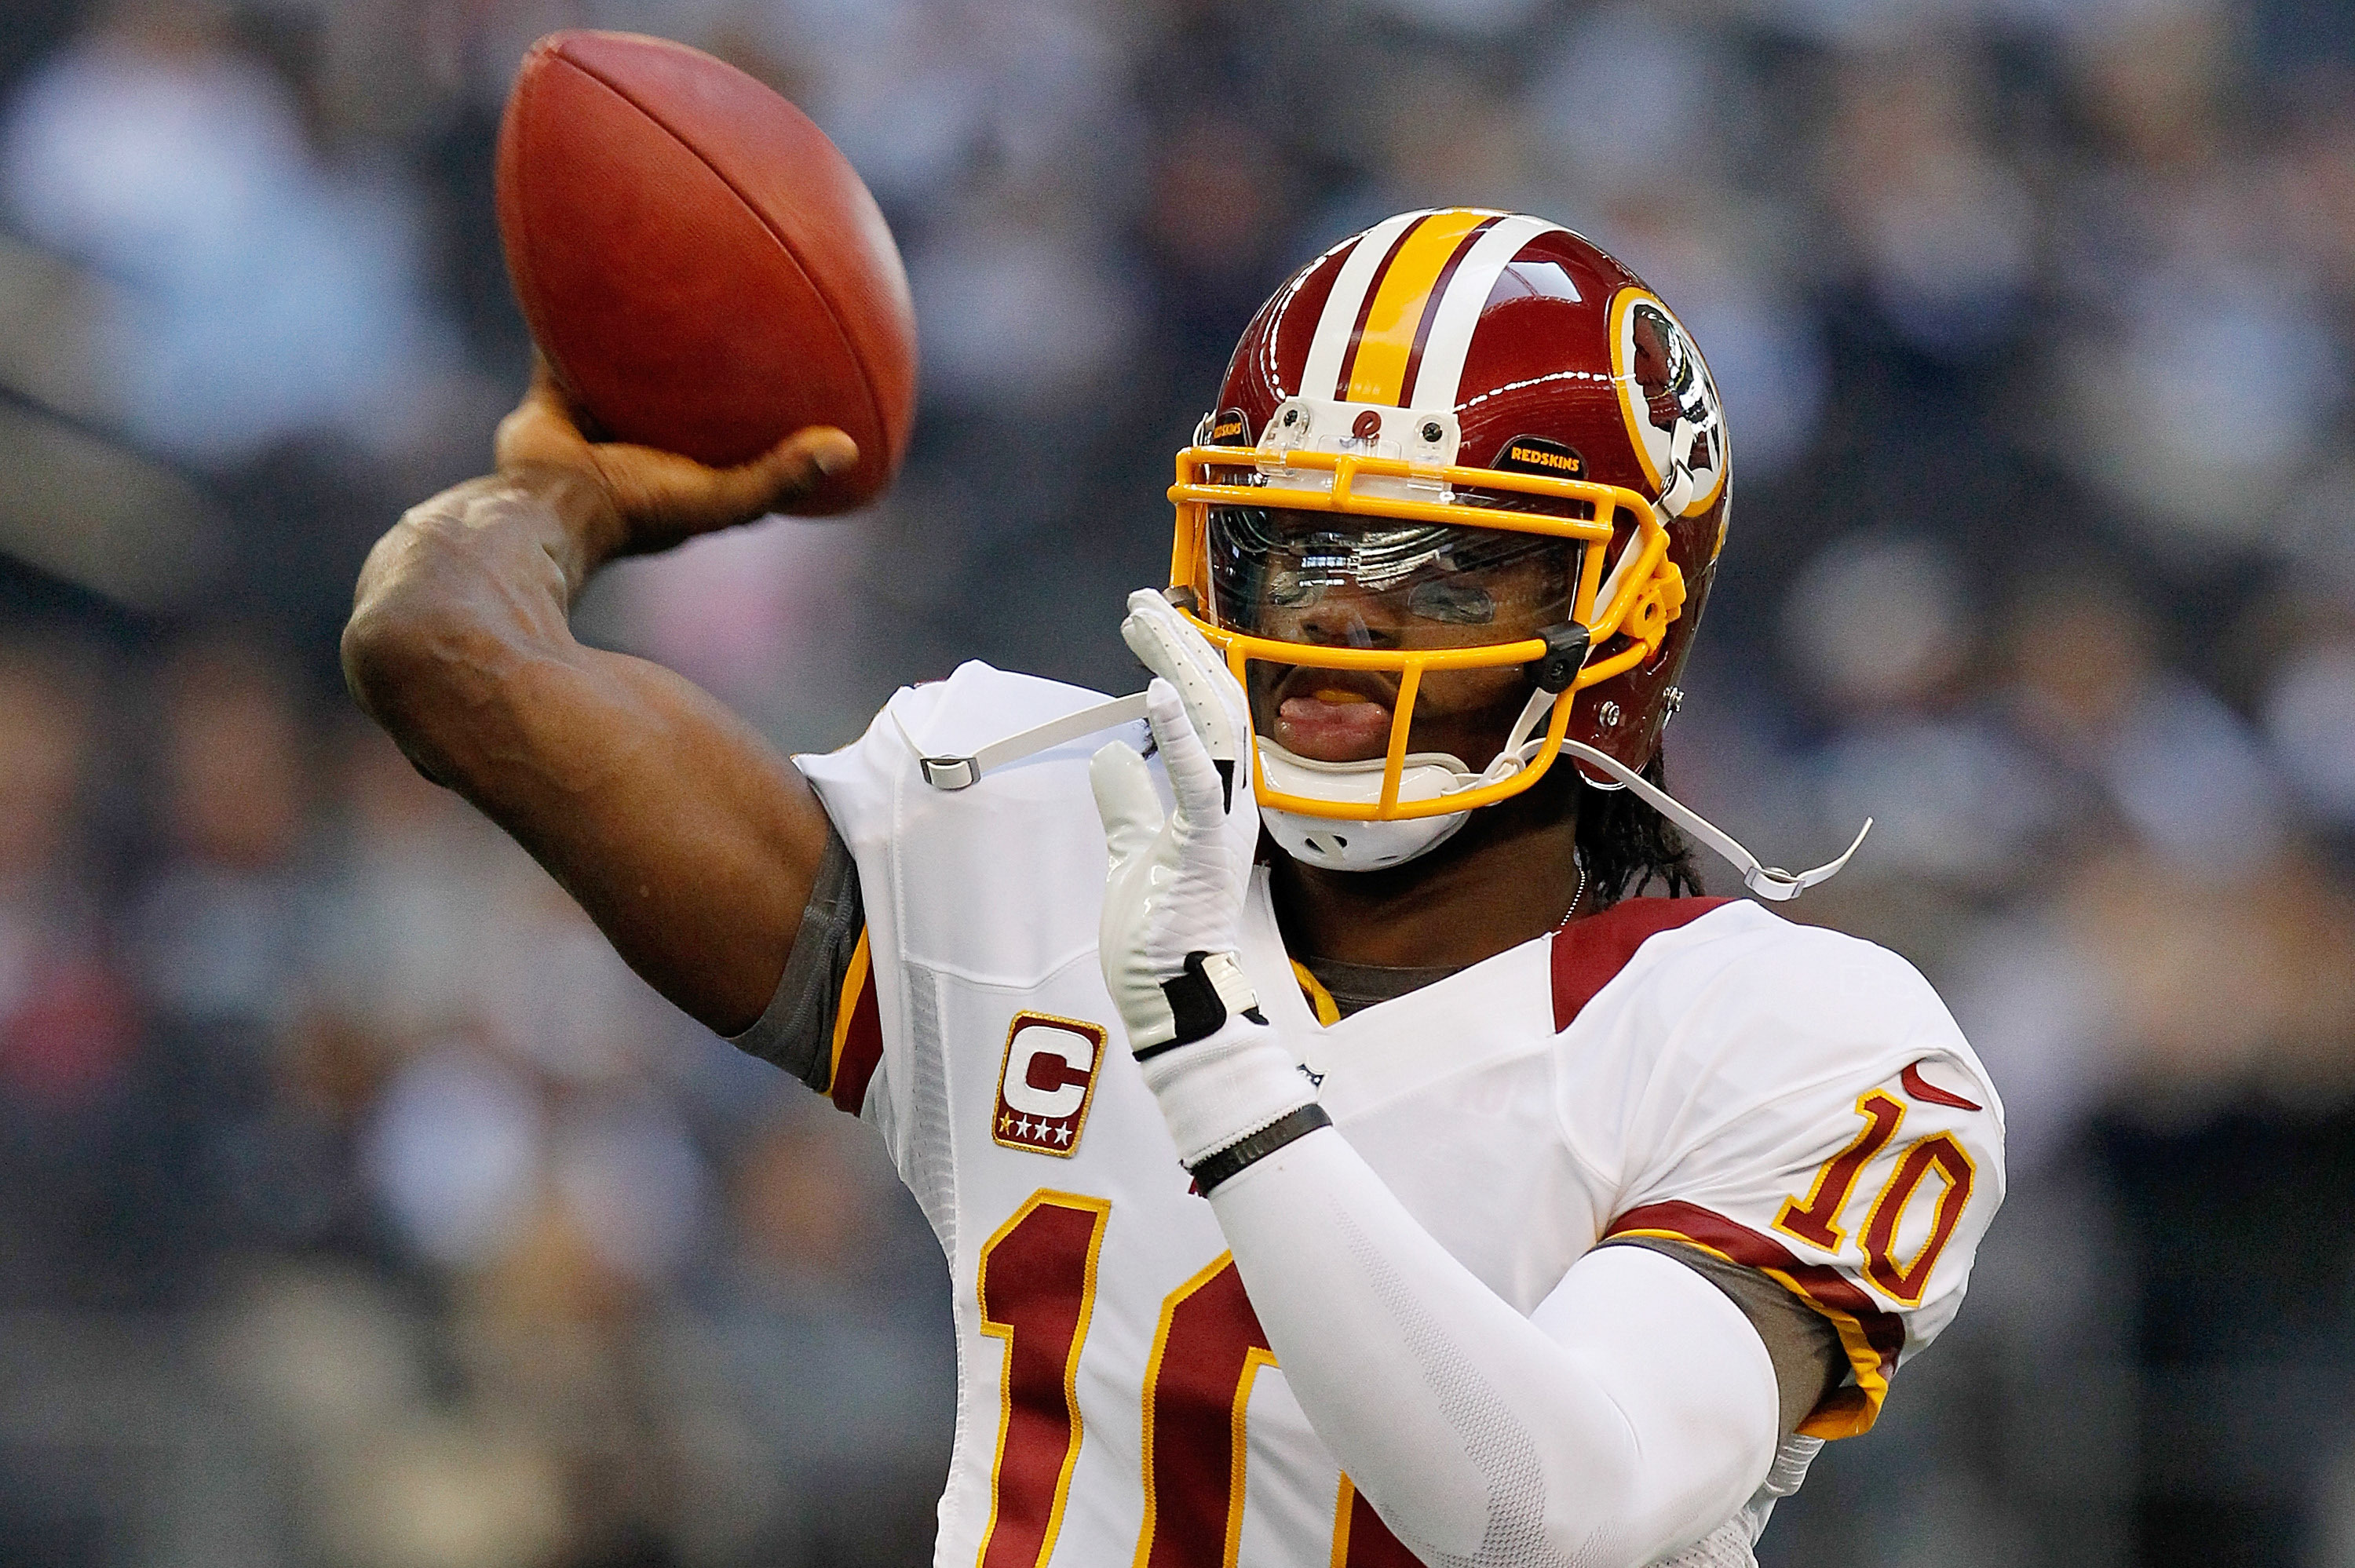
(1788, 1099)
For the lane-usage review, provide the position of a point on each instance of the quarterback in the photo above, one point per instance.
(1339, 1164)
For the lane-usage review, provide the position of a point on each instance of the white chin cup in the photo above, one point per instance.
(1341, 845)
(1347, 844)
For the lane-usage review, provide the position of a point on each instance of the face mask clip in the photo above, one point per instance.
(1564, 656)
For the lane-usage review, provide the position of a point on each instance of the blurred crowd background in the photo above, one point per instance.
(357, 1210)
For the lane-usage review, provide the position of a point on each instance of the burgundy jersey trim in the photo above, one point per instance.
(862, 1051)
(1922, 1089)
(1873, 1337)
(1587, 954)
(1361, 1540)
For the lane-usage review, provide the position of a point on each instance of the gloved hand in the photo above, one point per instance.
(1214, 701)
(1177, 886)
(1172, 906)
(1173, 900)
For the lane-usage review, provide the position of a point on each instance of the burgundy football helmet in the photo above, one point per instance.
(1462, 441)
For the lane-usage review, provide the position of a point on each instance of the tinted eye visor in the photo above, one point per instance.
(1367, 582)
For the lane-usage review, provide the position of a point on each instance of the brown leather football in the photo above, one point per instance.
(704, 271)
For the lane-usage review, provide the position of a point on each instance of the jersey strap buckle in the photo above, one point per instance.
(950, 772)
(965, 772)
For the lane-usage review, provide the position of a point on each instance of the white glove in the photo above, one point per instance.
(1215, 763)
(1173, 901)
(1182, 656)
(1215, 703)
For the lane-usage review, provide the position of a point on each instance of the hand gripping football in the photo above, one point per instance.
(704, 271)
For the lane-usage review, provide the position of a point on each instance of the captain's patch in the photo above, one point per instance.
(1047, 1082)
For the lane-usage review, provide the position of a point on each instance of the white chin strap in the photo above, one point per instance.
(1771, 882)
(1367, 846)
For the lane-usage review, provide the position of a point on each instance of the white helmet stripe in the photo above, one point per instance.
(1330, 347)
(1438, 381)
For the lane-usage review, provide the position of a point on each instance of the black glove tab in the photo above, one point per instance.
(1202, 997)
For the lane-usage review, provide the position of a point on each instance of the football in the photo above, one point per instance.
(704, 271)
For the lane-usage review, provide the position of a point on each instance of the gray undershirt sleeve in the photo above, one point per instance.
(1809, 1362)
(796, 1031)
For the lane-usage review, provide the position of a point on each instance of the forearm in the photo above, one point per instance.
(684, 835)
(1635, 1411)
(463, 588)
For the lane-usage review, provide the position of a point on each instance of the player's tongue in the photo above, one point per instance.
(1333, 725)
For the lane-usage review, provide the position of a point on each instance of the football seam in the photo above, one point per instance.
(520, 273)
(834, 316)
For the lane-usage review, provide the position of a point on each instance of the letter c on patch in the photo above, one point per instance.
(1048, 1069)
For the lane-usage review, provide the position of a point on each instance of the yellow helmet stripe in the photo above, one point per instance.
(1403, 303)
(1345, 306)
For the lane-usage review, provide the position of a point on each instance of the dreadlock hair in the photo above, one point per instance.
(1626, 846)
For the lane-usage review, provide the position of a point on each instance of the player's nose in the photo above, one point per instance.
(1345, 616)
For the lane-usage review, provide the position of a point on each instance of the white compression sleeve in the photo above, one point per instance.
(1633, 1412)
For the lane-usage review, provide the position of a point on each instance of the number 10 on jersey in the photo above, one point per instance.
(1038, 1289)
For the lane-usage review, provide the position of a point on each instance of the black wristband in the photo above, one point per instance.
(1213, 1168)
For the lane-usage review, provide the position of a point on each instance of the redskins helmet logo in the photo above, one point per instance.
(1674, 419)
